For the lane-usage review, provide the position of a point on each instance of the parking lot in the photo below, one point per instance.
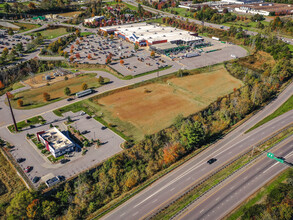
(135, 62)
(10, 41)
(42, 167)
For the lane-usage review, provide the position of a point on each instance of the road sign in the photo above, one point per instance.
(272, 156)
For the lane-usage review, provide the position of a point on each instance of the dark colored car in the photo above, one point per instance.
(69, 99)
(85, 132)
(63, 161)
(19, 160)
(210, 161)
(88, 117)
(36, 179)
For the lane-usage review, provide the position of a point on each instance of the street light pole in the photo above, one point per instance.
(13, 118)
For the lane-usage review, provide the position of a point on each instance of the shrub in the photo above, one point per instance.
(19, 103)
(46, 96)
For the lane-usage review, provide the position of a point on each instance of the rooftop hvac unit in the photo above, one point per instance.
(131, 25)
(139, 28)
(164, 35)
(155, 32)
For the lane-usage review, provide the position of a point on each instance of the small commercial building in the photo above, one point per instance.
(56, 142)
(94, 19)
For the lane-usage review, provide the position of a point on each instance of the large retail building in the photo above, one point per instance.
(149, 34)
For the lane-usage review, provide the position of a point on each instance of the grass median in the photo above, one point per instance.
(287, 106)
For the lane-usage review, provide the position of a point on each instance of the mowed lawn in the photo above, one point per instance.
(34, 97)
(150, 108)
(27, 26)
(51, 33)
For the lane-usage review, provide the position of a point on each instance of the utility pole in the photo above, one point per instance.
(13, 118)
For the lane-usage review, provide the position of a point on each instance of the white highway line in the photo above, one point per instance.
(270, 167)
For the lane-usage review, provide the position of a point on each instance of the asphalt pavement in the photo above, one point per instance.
(236, 189)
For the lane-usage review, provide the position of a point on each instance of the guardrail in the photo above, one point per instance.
(217, 171)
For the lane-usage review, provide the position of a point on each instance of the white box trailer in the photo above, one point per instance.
(216, 38)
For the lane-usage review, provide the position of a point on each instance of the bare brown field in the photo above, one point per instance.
(70, 14)
(153, 107)
(39, 80)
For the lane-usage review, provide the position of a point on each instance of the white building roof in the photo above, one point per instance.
(151, 32)
(56, 139)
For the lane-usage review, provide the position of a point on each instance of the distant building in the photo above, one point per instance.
(241, 2)
(94, 19)
(149, 34)
(55, 142)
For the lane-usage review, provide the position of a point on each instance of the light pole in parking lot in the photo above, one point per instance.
(13, 118)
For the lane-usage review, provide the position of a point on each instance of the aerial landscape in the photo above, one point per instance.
(146, 109)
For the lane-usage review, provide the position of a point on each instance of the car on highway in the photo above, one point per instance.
(28, 169)
(211, 161)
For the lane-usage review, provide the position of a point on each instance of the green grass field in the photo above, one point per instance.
(17, 85)
(33, 98)
(27, 26)
(287, 106)
(51, 33)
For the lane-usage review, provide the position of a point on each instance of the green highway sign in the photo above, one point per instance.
(272, 156)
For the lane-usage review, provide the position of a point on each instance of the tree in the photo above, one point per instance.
(71, 58)
(136, 47)
(1, 85)
(105, 34)
(89, 56)
(65, 54)
(153, 54)
(32, 5)
(77, 56)
(7, 8)
(19, 102)
(5, 53)
(49, 208)
(18, 205)
(192, 134)
(32, 209)
(111, 36)
(46, 96)
(101, 80)
(84, 86)
(67, 91)
(77, 32)
(19, 47)
(121, 62)
(10, 31)
(77, 42)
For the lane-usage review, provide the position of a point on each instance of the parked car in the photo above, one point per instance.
(36, 179)
(88, 117)
(63, 161)
(19, 160)
(85, 132)
(69, 99)
(210, 161)
(28, 169)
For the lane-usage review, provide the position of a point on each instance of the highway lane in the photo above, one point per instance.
(176, 182)
(235, 190)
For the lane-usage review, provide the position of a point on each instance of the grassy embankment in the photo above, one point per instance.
(285, 107)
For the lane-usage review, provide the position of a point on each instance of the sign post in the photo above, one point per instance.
(272, 156)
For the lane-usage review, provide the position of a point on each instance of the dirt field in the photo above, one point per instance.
(34, 97)
(39, 80)
(153, 107)
(71, 14)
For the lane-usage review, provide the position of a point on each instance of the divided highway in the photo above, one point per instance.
(235, 190)
(175, 183)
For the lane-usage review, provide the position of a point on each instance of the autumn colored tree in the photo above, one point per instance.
(101, 80)
(19, 103)
(77, 42)
(105, 34)
(71, 51)
(77, 56)
(10, 95)
(46, 96)
(77, 32)
(32, 5)
(71, 58)
(111, 37)
(153, 54)
(84, 86)
(32, 209)
(89, 56)
(81, 38)
(67, 91)
(121, 62)
(1, 85)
